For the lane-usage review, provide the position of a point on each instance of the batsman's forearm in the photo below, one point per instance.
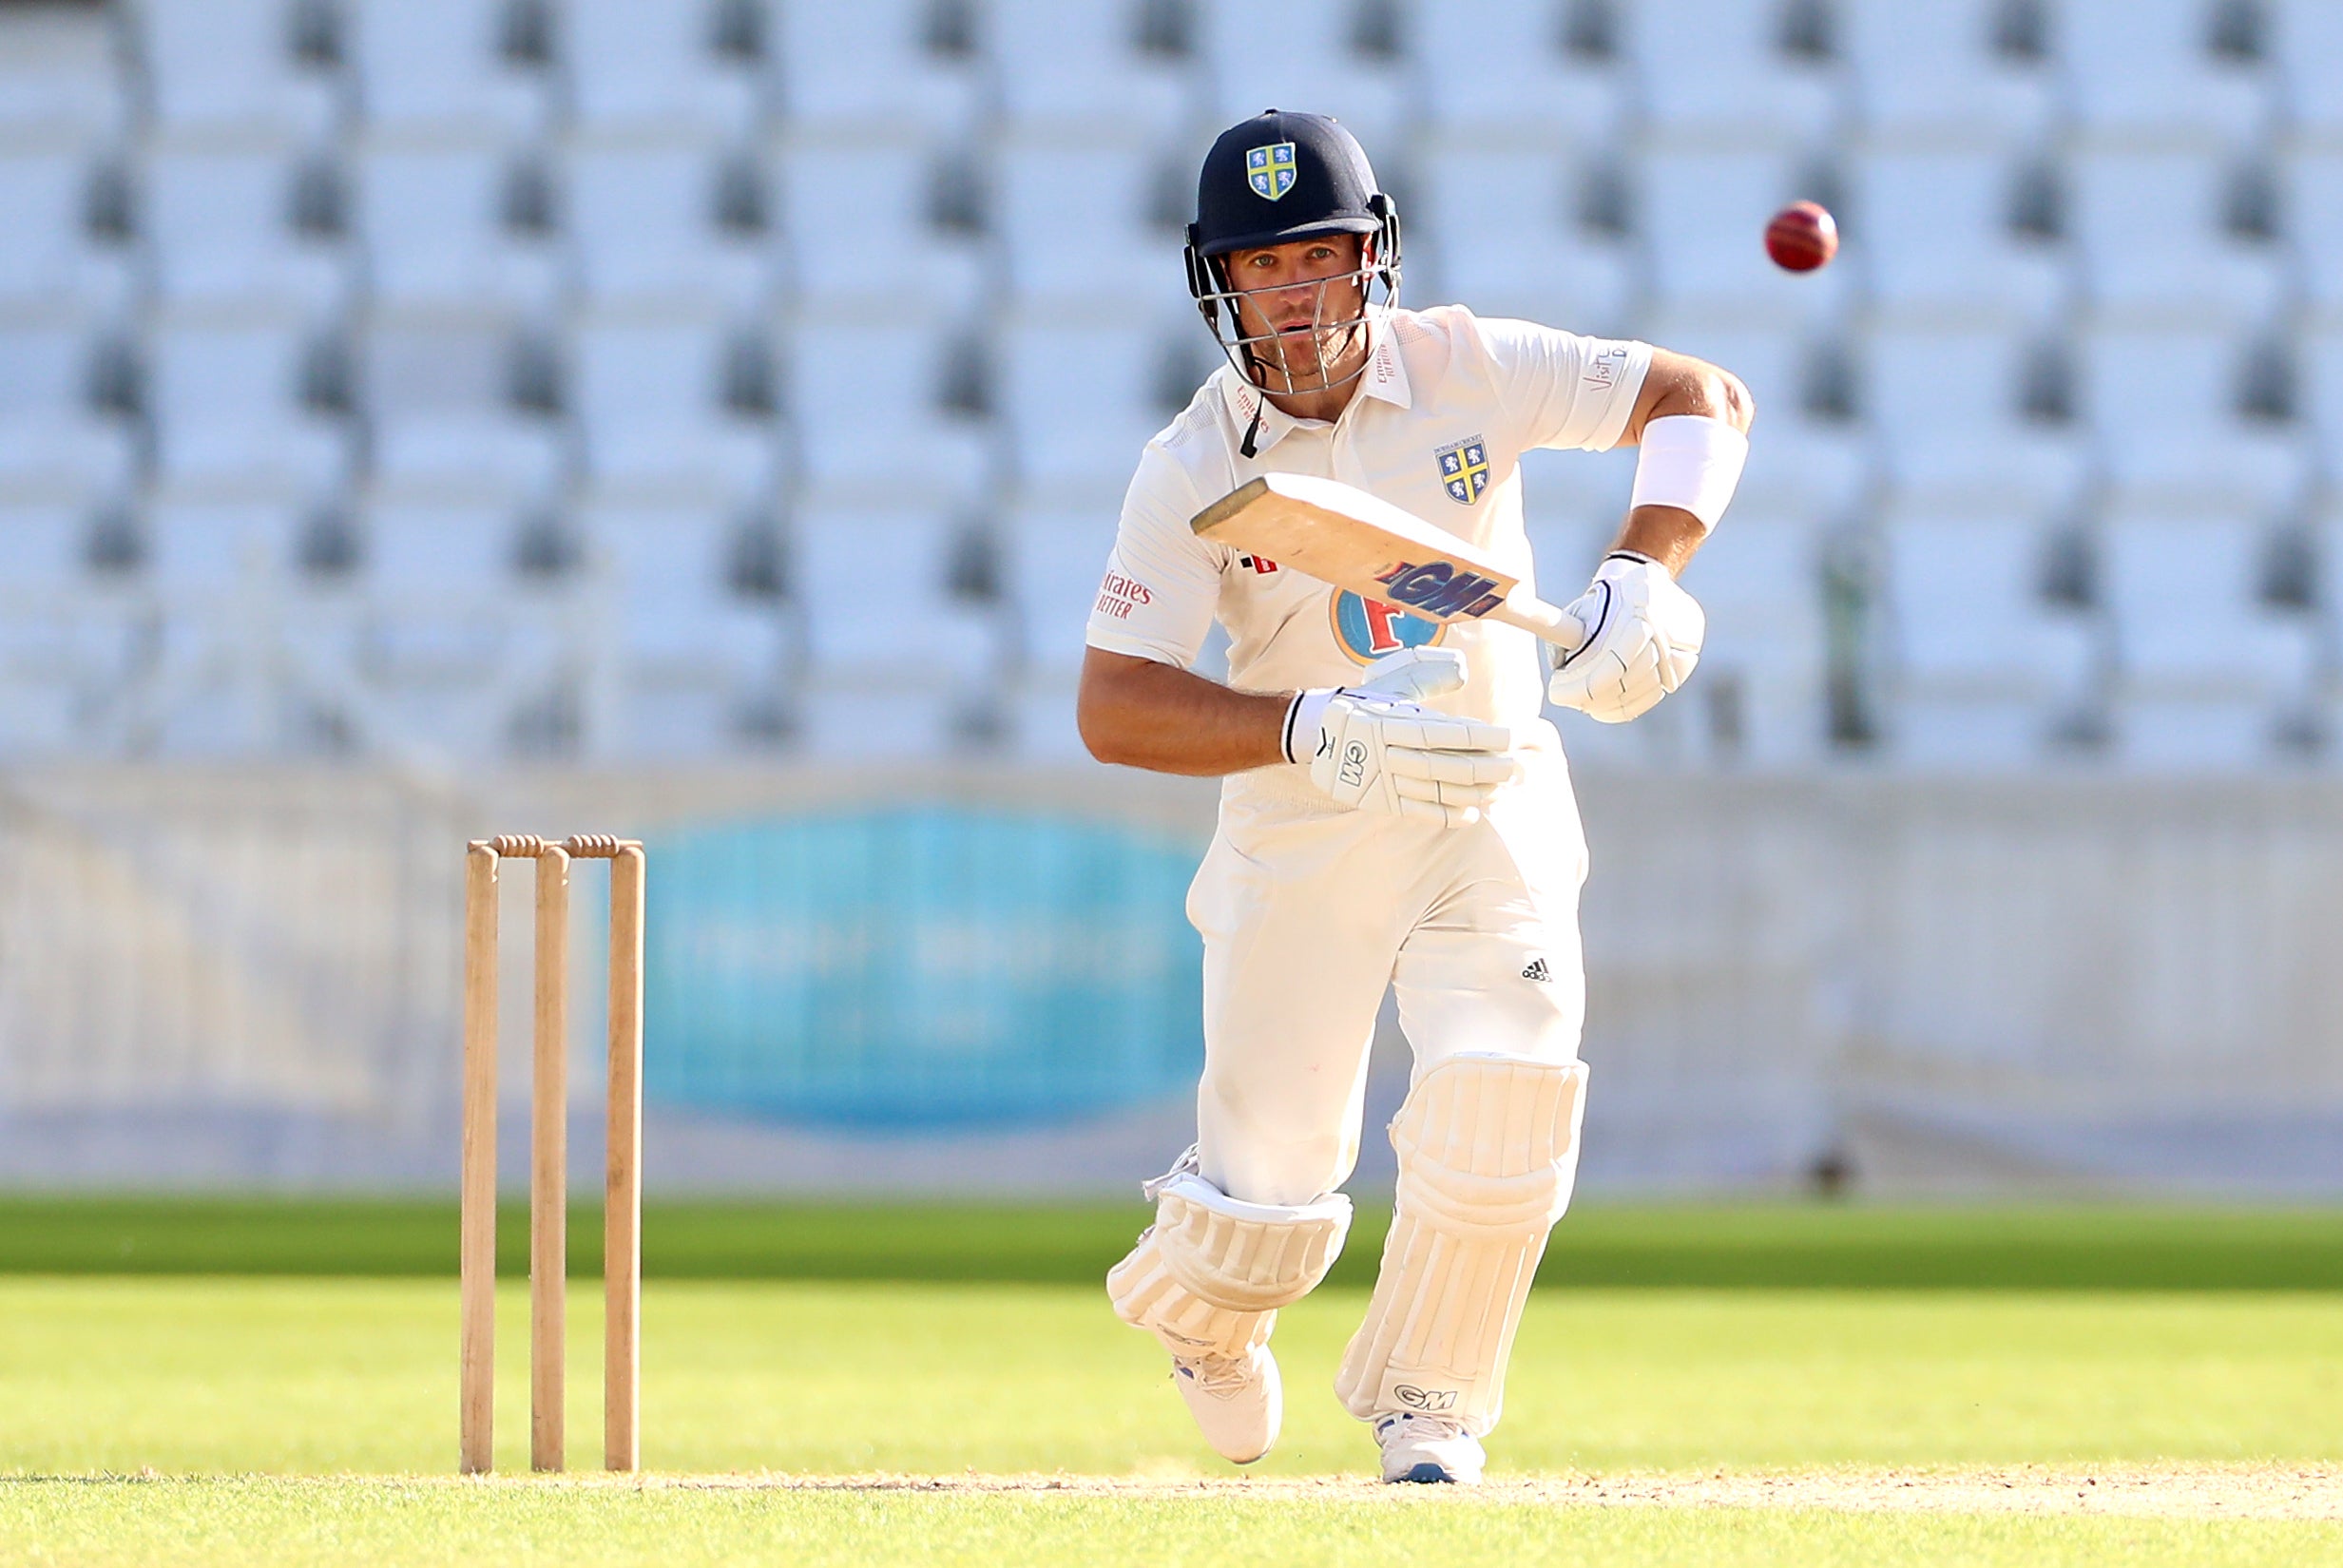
(1140, 714)
(1668, 534)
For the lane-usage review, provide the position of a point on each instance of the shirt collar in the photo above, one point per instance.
(1384, 379)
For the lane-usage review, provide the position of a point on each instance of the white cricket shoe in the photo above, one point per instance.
(1427, 1449)
(1238, 1402)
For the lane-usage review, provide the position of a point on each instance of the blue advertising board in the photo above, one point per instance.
(917, 968)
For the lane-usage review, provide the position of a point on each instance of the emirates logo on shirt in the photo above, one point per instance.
(1118, 596)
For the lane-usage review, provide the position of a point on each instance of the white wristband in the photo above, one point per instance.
(1303, 720)
(1692, 461)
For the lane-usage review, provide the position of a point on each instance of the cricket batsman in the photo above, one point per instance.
(1395, 812)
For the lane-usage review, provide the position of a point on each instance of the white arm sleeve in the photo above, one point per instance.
(1566, 389)
(1163, 582)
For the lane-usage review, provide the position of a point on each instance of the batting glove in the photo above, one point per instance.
(1643, 636)
(1373, 747)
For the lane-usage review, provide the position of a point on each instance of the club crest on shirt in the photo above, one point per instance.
(1368, 628)
(1464, 468)
(1270, 170)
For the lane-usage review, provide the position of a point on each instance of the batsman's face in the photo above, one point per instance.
(1301, 302)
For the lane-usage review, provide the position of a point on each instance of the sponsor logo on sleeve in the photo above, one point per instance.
(1118, 596)
(1603, 370)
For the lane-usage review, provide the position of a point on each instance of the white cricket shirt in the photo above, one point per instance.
(1447, 405)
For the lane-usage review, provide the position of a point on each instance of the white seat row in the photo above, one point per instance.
(1697, 69)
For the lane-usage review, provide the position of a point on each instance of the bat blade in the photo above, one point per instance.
(1361, 542)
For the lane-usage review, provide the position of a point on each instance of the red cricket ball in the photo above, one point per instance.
(1802, 236)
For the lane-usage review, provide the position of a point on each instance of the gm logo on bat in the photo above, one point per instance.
(1439, 589)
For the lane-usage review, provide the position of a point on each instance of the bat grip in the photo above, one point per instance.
(1546, 620)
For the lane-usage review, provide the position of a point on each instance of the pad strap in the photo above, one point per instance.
(1208, 1276)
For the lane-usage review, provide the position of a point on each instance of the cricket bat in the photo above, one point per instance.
(1343, 536)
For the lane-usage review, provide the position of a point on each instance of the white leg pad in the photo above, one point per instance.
(1487, 1150)
(1208, 1276)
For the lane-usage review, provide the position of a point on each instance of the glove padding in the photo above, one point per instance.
(1376, 749)
(1643, 635)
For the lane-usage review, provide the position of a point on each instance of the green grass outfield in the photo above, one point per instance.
(2108, 1247)
(214, 1395)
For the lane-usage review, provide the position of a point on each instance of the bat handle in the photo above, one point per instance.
(1546, 620)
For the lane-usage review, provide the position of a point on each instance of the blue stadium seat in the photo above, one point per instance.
(1948, 407)
(893, 255)
(227, 400)
(442, 67)
(60, 81)
(1703, 216)
(1986, 669)
(2209, 671)
(1926, 76)
(219, 227)
(646, 220)
(871, 65)
(1717, 73)
(2313, 208)
(2164, 406)
(655, 69)
(1075, 67)
(436, 220)
(54, 443)
(2306, 50)
(1497, 72)
(695, 661)
(1080, 401)
(436, 392)
(231, 66)
(1760, 680)
(47, 261)
(1309, 58)
(2144, 72)
(2149, 227)
(867, 401)
(651, 400)
(1502, 229)
(1938, 244)
(1079, 227)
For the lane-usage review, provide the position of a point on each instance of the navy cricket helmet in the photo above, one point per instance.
(1277, 178)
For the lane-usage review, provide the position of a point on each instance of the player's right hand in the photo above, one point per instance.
(1371, 748)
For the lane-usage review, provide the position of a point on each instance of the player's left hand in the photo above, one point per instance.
(1643, 635)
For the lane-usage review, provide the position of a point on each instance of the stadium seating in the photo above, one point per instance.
(661, 70)
(444, 68)
(1984, 668)
(313, 303)
(1727, 76)
(1927, 76)
(1506, 232)
(234, 66)
(647, 223)
(1504, 73)
(1939, 244)
(2145, 71)
(438, 221)
(1099, 75)
(60, 80)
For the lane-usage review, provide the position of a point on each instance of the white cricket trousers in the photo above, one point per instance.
(1308, 915)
